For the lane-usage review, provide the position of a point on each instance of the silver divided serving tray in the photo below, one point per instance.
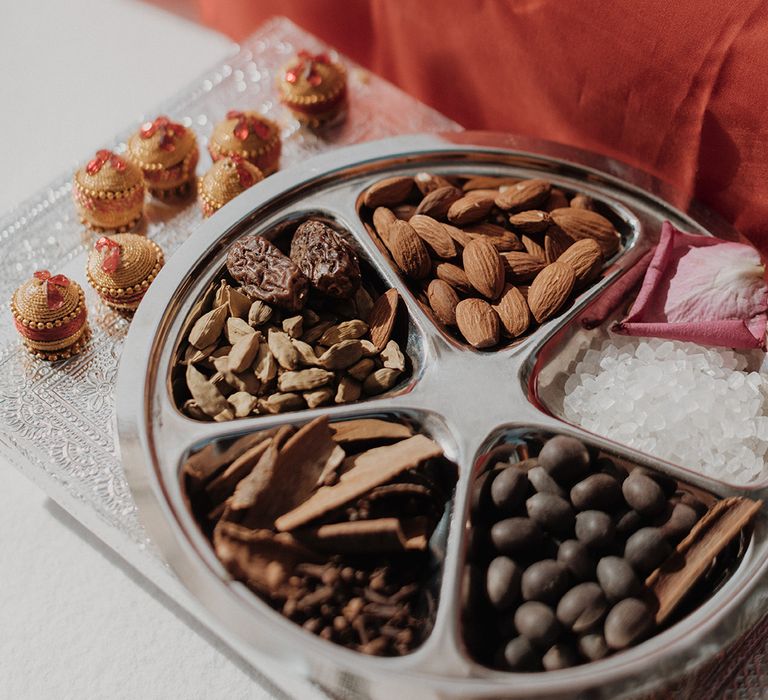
(469, 401)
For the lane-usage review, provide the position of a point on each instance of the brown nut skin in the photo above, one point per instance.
(667, 483)
(646, 549)
(679, 523)
(690, 500)
(617, 578)
(565, 458)
(518, 654)
(502, 582)
(388, 192)
(559, 656)
(514, 535)
(478, 323)
(575, 556)
(443, 300)
(509, 490)
(408, 250)
(593, 646)
(597, 492)
(582, 608)
(484, 268)
(552, 512)
(326, 259)
(627, 523)
(266, 274)
(643, 494)
(627, 623)
(543, 482)
(537, 623)
(545, 580)
(513, 311)
(595, 529)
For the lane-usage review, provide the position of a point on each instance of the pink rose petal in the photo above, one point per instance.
(701, 289)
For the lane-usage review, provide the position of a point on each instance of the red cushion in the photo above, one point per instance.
(679, 89)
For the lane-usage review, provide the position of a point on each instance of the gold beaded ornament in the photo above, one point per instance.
(167, 154)
(50, 315)
(314, 88)
(121, 267)
(109, 193)
(226, 178)
(250, 136)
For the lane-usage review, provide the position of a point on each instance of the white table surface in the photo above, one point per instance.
(75, 622)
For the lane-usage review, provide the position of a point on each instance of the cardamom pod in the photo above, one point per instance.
(341, 355)
(304, 380)
(208, 327)
(281, 347)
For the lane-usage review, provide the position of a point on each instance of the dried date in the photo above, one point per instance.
(326, 259)
(266, 274)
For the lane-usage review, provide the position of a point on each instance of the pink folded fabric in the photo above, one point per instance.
(703, 290)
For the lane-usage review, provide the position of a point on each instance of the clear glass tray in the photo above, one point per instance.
(56, 420)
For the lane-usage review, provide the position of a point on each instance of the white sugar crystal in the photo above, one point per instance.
(699, 407)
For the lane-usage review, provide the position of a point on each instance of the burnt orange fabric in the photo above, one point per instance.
(679, 89)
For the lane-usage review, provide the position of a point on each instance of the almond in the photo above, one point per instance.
(556, 200)
(437, 202)
(404, 211)
(513, 311)
(582, 223)
(428, 182)
(550, 290)
(531, 221)
(521, 267)
(433, 233)
(408, 250)
(582, 201)
(381, 320)
(470, 208)
(585, 258)
(478, 323)
(483, 193)
(443, 300)
(527, 194)
(459, 235)
(503, 240)
(553, 247)
(484, 267)
(453, 275)
(487, 182)
(389, 191)
(533, 249)
(382, 218)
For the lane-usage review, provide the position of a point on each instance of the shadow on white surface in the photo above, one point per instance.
(65, 519)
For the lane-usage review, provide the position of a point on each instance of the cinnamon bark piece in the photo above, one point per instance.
(203, 465)
(362, 536)
(255, 481)
(693, 556)
(223, 486)
(330, 473)
(262, 559)
(370, 469)
(288, 477)
(362, 429)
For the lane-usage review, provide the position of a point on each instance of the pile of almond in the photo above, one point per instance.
(489, 256)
